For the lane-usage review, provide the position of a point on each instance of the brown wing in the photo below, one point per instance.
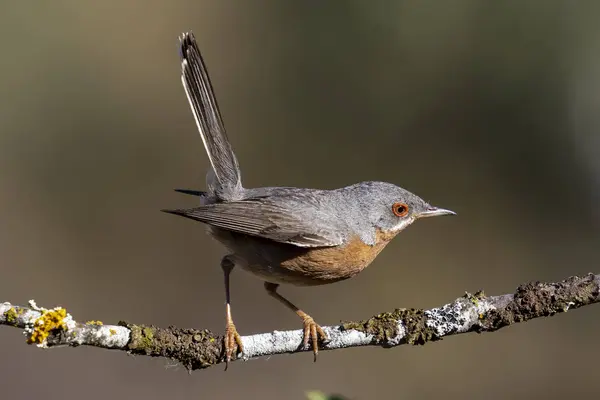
(263, 219)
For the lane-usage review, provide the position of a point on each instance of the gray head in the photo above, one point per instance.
(390, 208)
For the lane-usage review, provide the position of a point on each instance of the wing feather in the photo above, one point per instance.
(262, 219)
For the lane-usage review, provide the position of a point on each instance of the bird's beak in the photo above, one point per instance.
(435, 212)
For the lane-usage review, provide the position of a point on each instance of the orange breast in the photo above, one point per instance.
(332, 264)
(284, 263)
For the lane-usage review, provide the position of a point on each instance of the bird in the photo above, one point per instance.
(285, 235)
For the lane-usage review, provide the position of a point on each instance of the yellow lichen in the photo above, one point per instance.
(92, 322)
(11, 315)
(47, 322)
(112, 332)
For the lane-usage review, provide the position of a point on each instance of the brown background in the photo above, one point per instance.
(489, 110)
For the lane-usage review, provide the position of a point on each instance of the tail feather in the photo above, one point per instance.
(191, 192)
(199, 91)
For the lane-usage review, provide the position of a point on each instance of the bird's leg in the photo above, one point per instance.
(312, 331)
(232, 339)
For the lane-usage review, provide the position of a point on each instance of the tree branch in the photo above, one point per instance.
(197, 349)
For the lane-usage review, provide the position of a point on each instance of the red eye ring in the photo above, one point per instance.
(400, 209)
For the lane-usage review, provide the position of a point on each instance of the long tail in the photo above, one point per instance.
(199, 91)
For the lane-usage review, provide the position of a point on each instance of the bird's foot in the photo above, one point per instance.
(232, 343)
(313, 333)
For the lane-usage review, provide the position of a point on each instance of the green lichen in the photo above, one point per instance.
(148, 332)
(142, 338)
(476, 297)
(318, 395)
(480, 294)
(148, 336)
(192, 348)
(539, 299)
(385, 326)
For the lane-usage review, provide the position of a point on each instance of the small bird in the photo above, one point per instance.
(286, 235)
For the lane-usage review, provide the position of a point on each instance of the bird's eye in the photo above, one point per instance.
(400, 209)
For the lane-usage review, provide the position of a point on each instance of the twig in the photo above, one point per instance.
(196, 349)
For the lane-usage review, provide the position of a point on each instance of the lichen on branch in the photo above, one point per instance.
(198, 349)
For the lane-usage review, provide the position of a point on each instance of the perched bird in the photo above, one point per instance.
(286, 235)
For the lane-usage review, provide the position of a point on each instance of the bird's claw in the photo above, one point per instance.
(313, 332)
(232, 342)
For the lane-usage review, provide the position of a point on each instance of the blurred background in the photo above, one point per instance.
(491, 110)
